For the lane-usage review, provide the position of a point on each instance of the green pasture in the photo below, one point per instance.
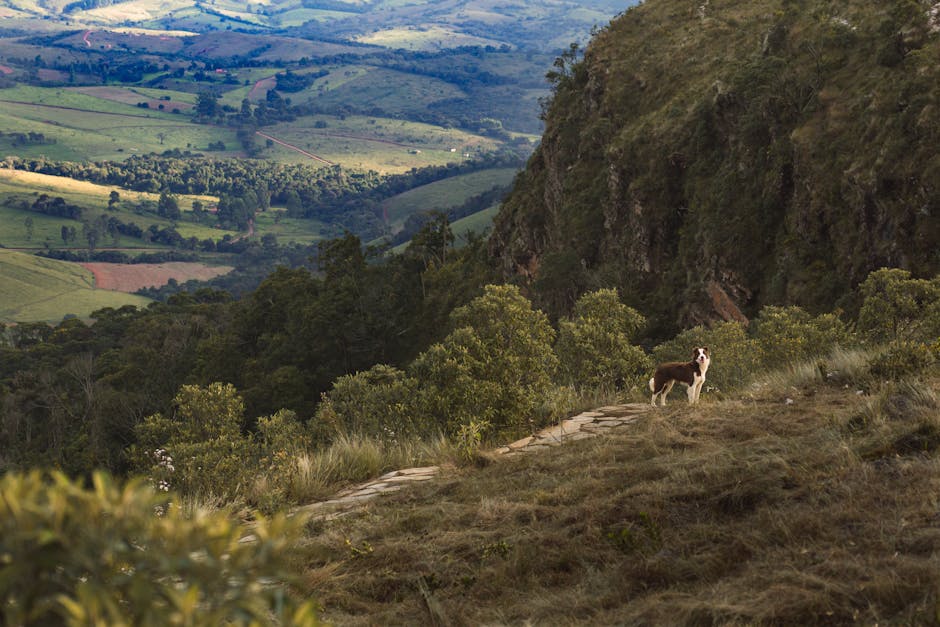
(476, 223)
(442, 195)
(391, 90)
(371, 143)
(97, 134)
(133, 95)
(300, 16)
(35, 289)
(47, 230)
(83, 193)
(73, 99)
(234, 97)
(339, 75)
(25, 186)
(287, 230)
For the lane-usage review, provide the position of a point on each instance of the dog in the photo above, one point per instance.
(688, 373)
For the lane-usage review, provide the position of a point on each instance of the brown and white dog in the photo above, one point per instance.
(688, 373)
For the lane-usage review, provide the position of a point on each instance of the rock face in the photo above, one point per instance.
(710, 162)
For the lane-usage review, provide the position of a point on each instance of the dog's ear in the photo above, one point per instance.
(705, 348)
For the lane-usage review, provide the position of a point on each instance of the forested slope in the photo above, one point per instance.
(712, 157)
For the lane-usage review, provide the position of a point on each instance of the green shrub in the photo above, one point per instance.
(495, 368)
(201, 449)
(118, 555)
(594, 348)
(379, 402)
(787, 335)
(901, 360)
(897, 307)
(735, 357)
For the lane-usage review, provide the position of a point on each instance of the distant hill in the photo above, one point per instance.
(421, 25)
(709, 158)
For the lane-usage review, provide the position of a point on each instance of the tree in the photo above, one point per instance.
(495, 368)
(433, 240)
(200, 449)
(206, 104)
(113, 198)
(594, 345)
(168, 206)
(897, 307)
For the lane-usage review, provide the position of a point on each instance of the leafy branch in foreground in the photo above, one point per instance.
(123, 555)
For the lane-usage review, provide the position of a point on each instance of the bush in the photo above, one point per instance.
(902, 360)
(495, 368)
(787, 335)
(594, 348)
(896, 307)
(201, 449)
(735, 357)
(378, 402)
(119, 556)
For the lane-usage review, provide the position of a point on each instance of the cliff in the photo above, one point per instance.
(711, 157)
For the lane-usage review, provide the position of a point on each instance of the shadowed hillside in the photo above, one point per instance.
(716, 157)
(807, 511)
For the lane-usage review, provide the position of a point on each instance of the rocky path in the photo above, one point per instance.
(589, 424)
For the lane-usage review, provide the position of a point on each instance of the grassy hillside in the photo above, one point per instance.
(18, 186)
(799, 505)
(442, 195)
(101, 123)
(35, 289)
(732, 154)
(381, 144)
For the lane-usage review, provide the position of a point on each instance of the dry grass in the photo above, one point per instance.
(822, 510)
(349, 460)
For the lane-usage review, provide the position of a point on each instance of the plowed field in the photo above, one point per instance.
(123, 277)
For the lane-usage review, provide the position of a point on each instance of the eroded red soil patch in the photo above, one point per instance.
(123, 277)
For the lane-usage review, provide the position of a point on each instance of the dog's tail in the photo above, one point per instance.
(652, 384)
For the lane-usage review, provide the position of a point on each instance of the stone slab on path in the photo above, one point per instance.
(585, 425)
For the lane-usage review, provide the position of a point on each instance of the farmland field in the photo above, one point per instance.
(287, 230)
(36, 289)
(83, 193)
(425, 38)
(102, 134)
(122, 277)
(392, 91)
(19, 185)
(380, 144)
(442, 195)
(476, 223)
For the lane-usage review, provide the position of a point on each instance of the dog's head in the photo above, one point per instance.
(700, 355)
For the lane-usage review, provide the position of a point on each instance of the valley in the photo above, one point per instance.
(374, 89)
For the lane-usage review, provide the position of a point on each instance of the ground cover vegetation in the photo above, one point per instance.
(859, 393)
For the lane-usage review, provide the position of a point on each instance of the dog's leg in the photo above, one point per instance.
(698, 388)
(653, 390)
(691, 394)
(666, 390)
